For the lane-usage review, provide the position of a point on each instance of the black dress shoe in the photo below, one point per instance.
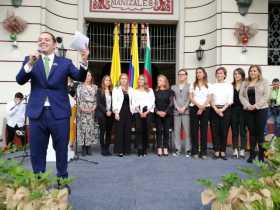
(215, 157)
(88, 150)
(84, 152)
(108, 153)
(67, 187)
(251, 157)
(224, 157)
(139, 152)
(60, 187)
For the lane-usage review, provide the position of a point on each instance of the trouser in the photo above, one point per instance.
(11, 131)
(199, 123)
(182, 121)
(141, 132)
(123, 126)
(105, 126)
(274, 113)
(40, 131)
(238, 128)
(220, 126)
(163, 124)
(256, 121)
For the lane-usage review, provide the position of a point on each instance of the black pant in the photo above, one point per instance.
(199, 123)
(123, 126)
(220, 126)
(11, 131)
(238, 128)
(105, 126)
(163, 124)
(256, 121)
(141, 132)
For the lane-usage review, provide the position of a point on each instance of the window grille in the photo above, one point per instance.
(274, 34)
(162, 39)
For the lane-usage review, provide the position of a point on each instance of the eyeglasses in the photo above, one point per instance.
(181, 74)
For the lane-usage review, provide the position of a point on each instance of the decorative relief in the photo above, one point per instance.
(132, 6)
(274, 36)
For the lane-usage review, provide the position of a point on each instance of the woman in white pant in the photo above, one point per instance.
(181, 114)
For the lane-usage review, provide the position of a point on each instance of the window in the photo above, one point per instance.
(162, 39)
(274, 34)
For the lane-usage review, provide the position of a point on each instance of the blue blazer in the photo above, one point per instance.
(54, 87)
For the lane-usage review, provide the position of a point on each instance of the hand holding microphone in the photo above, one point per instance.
(34, 57)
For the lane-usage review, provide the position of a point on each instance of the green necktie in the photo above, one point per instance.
(47, 65)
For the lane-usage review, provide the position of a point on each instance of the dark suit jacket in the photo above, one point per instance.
(54, 87)
(100, 112)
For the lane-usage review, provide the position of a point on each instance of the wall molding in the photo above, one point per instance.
(218, 29)
(218, 65)
(44, 8)
(228, 46)
(63, 2)
(203, 5)
(223, 12)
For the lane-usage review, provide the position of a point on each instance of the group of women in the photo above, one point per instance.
(184, 109)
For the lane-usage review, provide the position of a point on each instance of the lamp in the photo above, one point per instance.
(61, 50)
(243, 6)
(200, 51)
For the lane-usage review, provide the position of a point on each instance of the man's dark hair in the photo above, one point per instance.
(19, 95)
(49, 33)
(275, 80)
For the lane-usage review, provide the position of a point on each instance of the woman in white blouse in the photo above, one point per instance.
(222, 98)
(122, 108)
(143, 104)
(199, 113)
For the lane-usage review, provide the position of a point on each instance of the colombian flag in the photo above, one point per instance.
(133, 71)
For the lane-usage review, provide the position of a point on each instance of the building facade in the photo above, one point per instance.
(177, 28)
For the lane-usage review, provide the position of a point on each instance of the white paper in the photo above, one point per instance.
(79, 42)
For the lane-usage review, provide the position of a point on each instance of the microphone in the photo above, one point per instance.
(25, 97)
(34, 58)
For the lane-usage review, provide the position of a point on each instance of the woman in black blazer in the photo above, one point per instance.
(104, 114)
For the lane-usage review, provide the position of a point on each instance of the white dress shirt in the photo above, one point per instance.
(200, 95)
(15, 114)
(142, 99)
(222, 93)
(28, 69)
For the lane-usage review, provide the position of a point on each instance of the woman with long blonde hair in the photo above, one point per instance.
(143, 104)
(163, 109)
(122, 108)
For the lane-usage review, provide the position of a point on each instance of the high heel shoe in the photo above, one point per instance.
(223, 156)
(252, 157)
(84, 152)
(140, 152)
(216, 156)
(165, 152)
(159, 152)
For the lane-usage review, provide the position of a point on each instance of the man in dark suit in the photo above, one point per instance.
(48, 106)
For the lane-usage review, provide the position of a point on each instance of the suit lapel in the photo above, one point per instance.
(41, 68)
(54, 66)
